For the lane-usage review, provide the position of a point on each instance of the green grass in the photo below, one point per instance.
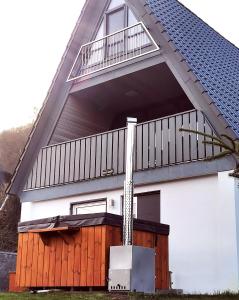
(105, 296)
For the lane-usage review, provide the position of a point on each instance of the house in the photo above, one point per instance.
(156, 61)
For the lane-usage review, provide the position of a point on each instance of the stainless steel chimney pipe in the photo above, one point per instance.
(128, 184)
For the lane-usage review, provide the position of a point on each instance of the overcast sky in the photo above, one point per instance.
(34, 34)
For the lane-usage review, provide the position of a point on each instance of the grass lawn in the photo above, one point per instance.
(105, 296)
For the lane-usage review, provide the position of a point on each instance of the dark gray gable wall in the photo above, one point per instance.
(59, 90)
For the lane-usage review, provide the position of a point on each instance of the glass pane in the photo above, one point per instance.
(115, 21)
(115, 3)
(131, 18)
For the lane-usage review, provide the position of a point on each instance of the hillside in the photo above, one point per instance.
(12, 143)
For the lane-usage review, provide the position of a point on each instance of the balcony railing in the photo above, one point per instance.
(113, 49)
(159, 143)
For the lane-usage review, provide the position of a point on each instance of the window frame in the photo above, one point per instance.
(112, 11)
(72, 204)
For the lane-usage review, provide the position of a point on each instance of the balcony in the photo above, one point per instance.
(113, 49)
(158, 144)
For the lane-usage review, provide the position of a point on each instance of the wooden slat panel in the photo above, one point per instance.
(28, 185)
(39, 164)
(165, 137)
(84, 254)
(186, 146)
(24, 260)
(57, 165)
(77, 259)
(67, 162)
(48, 166)
(158, 269)
(59, 246)
(103, 256)
(193, 136)
(145, 146)
(32, 182)
(77, 161)
(152, 145)
(29, 258)
(70, 265)
(116, 236)
(82, 160)
(172, 138)
(115, 151)
(201, 128)
(90, 256)
(163, 244)
(149, 240)
(62, 163)
(93, 157)
(53, 166)
(72, 162)
(109, 151)
(158, 143)
(87, 157)
(179, 139)
(98, 155)
(46, 263)
(34, 261)
(216, 149)
(104, 153)
(19, 259)
(43, 167)
(208, 130)
(64, 264)
(98, 256)
(52, 262)
(139, 147)
(40, 262)
(121, 151)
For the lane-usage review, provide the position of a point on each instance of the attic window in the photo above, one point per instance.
(115, 20)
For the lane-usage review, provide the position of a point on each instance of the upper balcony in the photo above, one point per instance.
(158, 144)
(113, 49)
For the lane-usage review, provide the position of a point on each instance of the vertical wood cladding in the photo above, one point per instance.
(79, 119)
(83, 261)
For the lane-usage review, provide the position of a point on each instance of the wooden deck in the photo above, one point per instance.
(81, 260)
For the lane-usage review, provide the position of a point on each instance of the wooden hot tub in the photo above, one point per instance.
(73, 251)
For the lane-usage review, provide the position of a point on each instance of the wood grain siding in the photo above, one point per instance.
(159, 143)
(83, 261)
(79, 119)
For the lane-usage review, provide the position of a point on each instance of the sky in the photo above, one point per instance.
(34, 34)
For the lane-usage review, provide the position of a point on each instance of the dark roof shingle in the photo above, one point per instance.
(213, 59)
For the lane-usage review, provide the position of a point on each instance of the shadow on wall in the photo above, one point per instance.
(7, 264)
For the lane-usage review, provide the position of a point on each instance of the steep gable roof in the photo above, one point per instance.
(213, 59)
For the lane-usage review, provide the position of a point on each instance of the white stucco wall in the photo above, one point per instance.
(203, 234)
